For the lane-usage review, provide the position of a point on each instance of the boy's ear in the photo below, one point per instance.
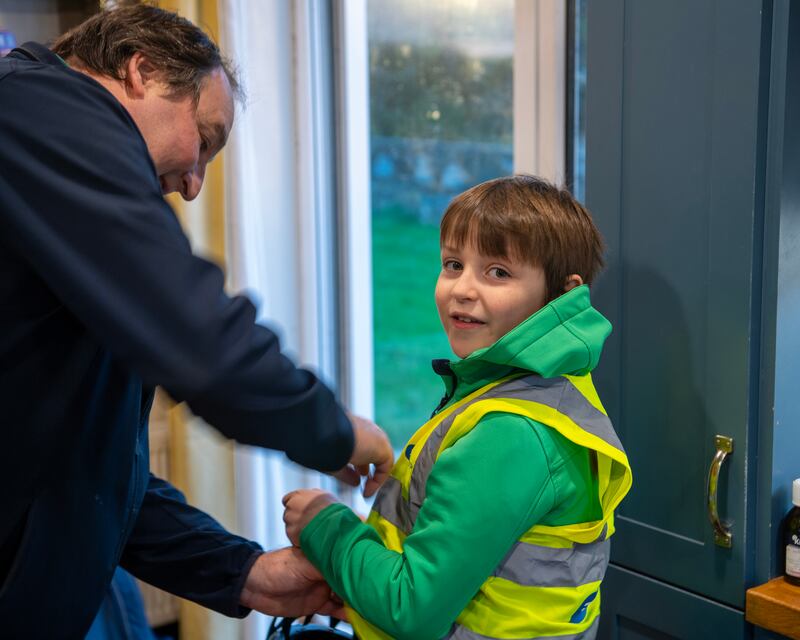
(573, 280)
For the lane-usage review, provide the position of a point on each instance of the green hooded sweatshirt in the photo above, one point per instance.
(506, 475)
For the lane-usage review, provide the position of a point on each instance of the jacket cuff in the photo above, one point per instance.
(238, 610)
(316, 539)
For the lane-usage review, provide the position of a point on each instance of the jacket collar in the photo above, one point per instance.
(565, 336)
(36, 52)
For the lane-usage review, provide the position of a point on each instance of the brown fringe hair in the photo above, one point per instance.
(526, 218)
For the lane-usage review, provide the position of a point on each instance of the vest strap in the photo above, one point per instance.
(533, 565)
(462, 633)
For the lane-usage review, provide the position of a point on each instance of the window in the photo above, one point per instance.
(441, 121)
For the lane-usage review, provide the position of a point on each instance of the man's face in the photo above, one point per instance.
(183, 137)
(481, 298)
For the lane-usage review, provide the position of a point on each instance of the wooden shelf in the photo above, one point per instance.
(775, 606)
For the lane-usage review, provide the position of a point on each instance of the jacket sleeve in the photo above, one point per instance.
(482, 494)
(180, 549)
(81, 202)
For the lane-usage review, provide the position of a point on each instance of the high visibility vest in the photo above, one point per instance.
(549, 582)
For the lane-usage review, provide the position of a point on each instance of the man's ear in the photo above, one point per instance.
(573, 280)
(139, 75)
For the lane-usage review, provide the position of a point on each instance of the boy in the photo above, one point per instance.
(495, 521)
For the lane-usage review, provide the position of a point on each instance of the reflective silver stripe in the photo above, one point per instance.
(390, 505)
(575, 405)
(457, 632)
(564, 397)
(532, 565)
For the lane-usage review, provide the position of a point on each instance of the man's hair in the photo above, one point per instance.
(526, 218)
(182, 54)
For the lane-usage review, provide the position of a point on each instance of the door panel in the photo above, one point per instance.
(639, 608)
(671, 166)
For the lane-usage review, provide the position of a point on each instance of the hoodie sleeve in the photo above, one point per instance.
(183, 550)
(82, 205)
(482, 494)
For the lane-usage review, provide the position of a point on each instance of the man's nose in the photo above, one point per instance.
(191, 183)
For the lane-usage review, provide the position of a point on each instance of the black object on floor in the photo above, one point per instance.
(284, 629)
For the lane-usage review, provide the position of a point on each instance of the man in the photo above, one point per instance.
(101, 299)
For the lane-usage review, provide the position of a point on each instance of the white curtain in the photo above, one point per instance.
(267, 239)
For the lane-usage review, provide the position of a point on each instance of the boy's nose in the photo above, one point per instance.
(464, 288)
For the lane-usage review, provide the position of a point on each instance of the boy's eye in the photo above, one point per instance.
(499, 272)
(451, 265)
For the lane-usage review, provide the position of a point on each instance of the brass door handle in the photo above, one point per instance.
(722, 534)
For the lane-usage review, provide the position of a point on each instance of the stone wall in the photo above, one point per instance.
(419, 177)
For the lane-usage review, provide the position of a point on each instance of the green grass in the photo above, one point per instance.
(407, 332)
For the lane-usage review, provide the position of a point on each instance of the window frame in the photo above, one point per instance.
(540, 125)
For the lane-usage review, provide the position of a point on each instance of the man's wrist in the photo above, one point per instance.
(245, 588)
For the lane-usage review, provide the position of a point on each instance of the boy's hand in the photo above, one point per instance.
(300, 508)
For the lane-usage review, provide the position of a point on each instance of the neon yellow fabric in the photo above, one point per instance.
(503, 609)
(585, 385)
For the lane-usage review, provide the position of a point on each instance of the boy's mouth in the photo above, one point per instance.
(463, 321)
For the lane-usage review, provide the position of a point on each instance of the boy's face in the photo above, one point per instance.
(481, 298)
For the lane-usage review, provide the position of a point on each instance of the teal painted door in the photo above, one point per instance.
(647, 609)
(672, 178)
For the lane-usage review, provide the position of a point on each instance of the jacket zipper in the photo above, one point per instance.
(442, 367)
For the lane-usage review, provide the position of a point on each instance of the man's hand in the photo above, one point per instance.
(371, 447)
(300, 508)
(285, 583)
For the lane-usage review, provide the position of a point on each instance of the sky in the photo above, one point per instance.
(482, 28)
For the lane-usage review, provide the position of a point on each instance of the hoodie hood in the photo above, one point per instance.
(565, 337)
